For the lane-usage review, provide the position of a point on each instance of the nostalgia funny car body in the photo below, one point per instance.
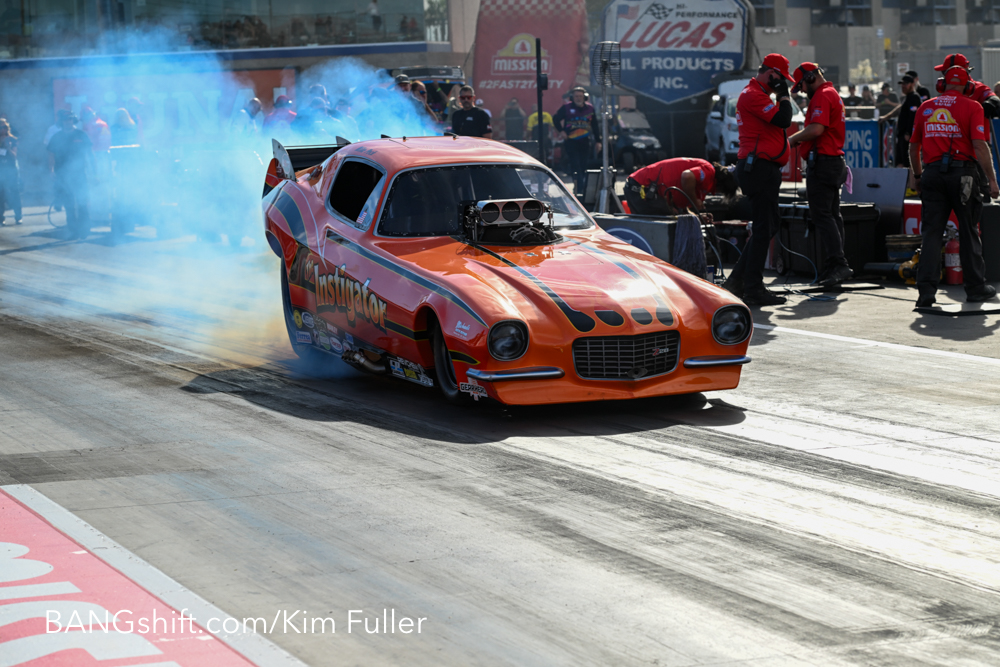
(465, 264)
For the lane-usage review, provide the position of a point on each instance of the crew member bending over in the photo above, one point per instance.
(647, 194)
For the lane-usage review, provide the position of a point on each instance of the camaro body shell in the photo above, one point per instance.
(351, 288)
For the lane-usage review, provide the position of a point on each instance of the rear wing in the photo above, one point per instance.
(288, 163)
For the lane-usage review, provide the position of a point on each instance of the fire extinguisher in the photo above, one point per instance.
(952, 261)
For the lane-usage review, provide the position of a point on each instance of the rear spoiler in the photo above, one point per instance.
(287, 162)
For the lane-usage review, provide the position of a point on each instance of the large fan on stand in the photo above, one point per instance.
(606, 71)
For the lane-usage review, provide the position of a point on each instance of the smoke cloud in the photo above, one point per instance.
(192, 255)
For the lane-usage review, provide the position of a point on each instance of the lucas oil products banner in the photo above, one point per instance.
(671, 49)
(505, 58)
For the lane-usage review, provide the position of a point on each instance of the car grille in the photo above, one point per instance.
(626, 357)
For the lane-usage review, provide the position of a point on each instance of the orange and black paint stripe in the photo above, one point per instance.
(580, 321)
(640, 315)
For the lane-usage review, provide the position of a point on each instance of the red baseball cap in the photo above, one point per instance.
(953, 60)
(777, 62)
(800, 73)
(956, 76)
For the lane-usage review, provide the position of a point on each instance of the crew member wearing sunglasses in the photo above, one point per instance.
(470, 121)
(419, 91)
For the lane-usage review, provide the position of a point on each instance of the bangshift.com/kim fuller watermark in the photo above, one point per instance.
(352, 621)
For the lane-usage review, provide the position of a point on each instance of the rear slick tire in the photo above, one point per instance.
(315, 360)
(444, 370)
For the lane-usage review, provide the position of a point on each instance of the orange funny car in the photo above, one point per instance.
(466, 264)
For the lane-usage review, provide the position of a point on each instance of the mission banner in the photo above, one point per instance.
(505, 58)
(671, 49)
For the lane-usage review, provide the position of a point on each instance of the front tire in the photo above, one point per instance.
(444, 370)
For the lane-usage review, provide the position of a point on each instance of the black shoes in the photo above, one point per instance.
(761, 296)
(925, 301)
(836, 275)
(982, 293)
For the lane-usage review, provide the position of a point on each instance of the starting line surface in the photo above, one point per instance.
(62, 582)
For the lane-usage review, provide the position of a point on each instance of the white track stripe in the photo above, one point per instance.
(875, 343)
(249, 644)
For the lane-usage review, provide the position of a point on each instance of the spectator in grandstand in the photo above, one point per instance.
(134, 107)
(342, 112)
(73, 159)
(867, 99)
(124, 131)
(10, 173)
(419, 91)
(471, 121)
(97, 130)
(887, 100)
(532, 124)
(513, 118)
(245, 123)
(852, 99)
(376, 15)
(278, 123)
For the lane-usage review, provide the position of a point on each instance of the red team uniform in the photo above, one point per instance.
(754, 111)
(668, 173)
(945, 129)
(826, 108)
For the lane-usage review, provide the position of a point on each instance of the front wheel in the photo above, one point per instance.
(444, 370)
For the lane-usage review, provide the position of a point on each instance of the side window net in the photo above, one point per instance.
(356, 183)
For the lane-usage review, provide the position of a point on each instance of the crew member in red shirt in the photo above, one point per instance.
(822, 141)
(647, 194)
(978, 92)
(948, 140)
(763, 150)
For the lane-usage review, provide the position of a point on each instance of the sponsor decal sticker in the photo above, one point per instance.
(473, 388)
(350, 338)
(307, 319)
(462, 329)
(942, 124)
(411, 371)
(297, 316)
(303, 337)
(324, 340)
(336, 346)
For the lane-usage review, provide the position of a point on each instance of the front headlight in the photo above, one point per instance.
(508, 340)
(639, 144)
(731, 325)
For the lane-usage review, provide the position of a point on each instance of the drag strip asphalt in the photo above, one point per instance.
(839, 508)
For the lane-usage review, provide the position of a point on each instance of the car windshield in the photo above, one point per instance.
(428, 202)
(731, 107)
